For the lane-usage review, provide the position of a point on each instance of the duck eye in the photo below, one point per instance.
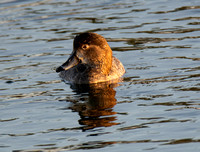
(85, 46)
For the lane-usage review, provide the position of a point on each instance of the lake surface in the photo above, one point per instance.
(156, 107)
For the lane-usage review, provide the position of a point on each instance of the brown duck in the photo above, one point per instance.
(91, 61)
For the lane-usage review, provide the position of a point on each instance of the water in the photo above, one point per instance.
(156, 107)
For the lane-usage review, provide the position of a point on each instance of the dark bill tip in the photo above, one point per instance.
(59, 69)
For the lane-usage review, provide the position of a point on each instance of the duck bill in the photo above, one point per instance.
(71, 62)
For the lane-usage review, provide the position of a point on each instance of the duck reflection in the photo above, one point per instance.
(97, 110)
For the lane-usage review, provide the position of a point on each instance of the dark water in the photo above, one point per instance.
(157, 106)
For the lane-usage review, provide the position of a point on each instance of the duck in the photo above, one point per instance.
(91, 61)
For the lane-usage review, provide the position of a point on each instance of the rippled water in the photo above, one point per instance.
(157, 106)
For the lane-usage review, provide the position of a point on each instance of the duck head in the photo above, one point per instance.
(91, 49)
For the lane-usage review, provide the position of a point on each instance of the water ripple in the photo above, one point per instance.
(154, 108)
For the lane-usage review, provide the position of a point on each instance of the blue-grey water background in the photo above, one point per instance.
(157, 106)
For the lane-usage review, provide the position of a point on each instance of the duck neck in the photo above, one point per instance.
(105, 66)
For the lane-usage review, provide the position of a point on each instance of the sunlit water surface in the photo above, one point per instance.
(157, 106)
